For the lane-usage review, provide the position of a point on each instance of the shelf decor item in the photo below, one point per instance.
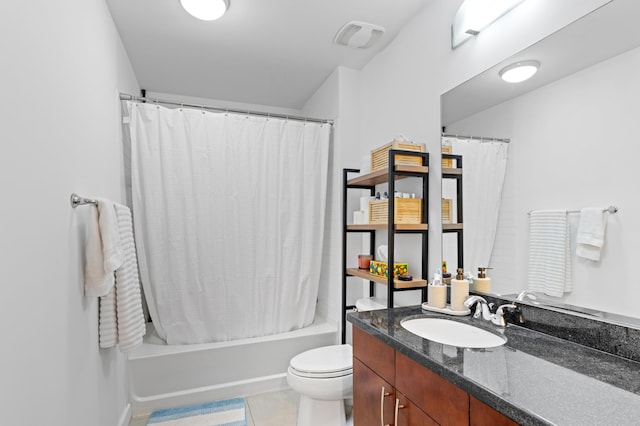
(381, 269)
(380, 156)
(447, 163)
(406, 210)
(446, 211)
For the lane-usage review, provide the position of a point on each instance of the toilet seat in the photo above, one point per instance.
(325, 362)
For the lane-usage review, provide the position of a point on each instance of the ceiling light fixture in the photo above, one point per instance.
(473, 16)
(206, 10)
(519, 71)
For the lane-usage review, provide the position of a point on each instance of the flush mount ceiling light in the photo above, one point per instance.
(476, 15)
(520, 71)
(206, 10)
(360, 35)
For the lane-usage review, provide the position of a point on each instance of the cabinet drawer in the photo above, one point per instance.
(480, 414)
(444, 402)
(375, 354)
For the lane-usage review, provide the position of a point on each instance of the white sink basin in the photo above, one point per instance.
(452, 333)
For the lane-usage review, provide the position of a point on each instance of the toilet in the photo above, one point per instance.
(324, 379)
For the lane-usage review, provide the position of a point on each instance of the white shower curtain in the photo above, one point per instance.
(484, 165)
(229, 218)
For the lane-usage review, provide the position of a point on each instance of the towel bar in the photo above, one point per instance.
(610, 209)
(77, 200)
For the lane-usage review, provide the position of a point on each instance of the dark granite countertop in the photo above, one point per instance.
(535, 378)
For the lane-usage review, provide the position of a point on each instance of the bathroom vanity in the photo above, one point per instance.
(534, 378)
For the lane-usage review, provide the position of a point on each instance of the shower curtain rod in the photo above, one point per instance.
(127, 97)
(477, 138)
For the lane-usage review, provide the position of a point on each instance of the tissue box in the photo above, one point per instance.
(381, 269)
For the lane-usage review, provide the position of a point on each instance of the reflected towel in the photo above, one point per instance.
(549, 252)
(103, 254)
(121, 316)
(591, 231)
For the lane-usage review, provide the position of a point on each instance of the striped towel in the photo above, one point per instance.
(121, 317)
(549, 252)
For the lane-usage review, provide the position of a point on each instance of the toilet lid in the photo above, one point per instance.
(327, 361)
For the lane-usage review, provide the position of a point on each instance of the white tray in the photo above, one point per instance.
(446, 310)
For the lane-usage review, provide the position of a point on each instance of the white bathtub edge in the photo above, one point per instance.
(146, 405)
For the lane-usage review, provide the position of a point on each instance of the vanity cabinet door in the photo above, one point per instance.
(481, 414)
(375, 354)
(410, 414)
(373, 397)
(446, 403)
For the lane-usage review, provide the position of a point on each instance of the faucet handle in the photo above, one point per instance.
(498, 317)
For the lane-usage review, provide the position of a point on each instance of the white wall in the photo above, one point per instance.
(62, 68)
(573, 146)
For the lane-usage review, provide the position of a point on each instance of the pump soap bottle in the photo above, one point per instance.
(482, 284)
(459, 291)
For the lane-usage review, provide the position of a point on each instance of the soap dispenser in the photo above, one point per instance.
(482, 284)
(459, 291)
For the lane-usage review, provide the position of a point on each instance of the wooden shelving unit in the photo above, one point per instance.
(368, 182)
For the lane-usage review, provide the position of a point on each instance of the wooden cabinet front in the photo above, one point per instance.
(373, 397)
(410, 414)
(480, 414)
(444, 402)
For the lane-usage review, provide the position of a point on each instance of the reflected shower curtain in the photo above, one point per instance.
(484, 166)
(229, 219)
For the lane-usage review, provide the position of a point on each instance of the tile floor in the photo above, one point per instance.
(267, 409)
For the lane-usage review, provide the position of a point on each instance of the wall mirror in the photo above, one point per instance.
(572, 131)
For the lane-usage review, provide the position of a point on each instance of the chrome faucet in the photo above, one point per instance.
(498, 317)
(526, 294)
(483, 308)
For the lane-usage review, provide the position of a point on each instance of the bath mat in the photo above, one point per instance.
(229, 412)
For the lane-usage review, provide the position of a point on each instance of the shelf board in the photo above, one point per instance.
(382, 226)
(363, 273)
(451, 171)
(452, 226)
(381, 176)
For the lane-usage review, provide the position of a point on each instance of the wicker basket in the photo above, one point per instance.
(446, 211)
(406, 210)
(380, 156)
(447, 163)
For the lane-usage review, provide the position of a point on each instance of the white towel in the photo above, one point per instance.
(121, 316)
(103, 254)
(549, 252)
(591, 230)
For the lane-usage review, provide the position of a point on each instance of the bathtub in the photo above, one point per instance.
(165, 376)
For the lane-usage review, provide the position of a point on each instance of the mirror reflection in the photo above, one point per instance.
(572, 131)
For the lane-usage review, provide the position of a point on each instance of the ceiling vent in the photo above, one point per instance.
(360, 35)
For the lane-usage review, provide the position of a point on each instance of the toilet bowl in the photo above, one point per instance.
(324, 379)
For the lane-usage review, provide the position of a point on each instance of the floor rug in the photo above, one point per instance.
(229, 412)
